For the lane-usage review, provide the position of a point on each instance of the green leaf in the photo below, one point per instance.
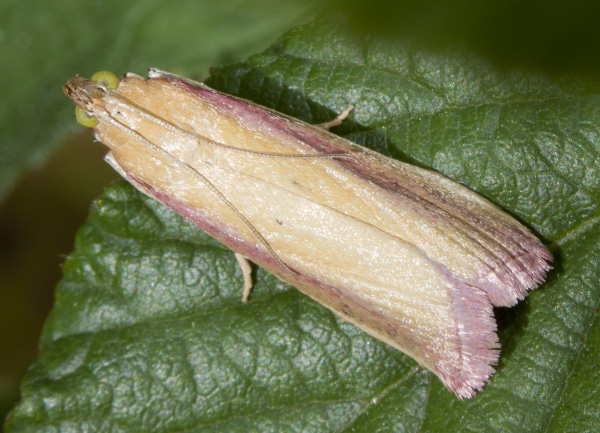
(42, 44)
(149, 334)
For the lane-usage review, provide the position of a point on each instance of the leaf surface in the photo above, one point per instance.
(149, 334)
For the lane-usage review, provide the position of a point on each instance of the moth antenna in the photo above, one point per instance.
(205, 181)
(174, 128)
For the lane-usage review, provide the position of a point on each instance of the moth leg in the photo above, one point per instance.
(338, 120)
(246, 272)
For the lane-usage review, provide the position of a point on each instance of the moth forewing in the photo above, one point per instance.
(406, 254)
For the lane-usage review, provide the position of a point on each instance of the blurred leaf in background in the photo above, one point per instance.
(148, 333)
(553, 36)
(42, 45)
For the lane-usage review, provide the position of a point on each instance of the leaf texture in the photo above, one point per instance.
(149, 334)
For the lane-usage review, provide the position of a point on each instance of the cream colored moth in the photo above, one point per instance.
(409, 256)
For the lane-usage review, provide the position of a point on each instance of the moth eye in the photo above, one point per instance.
(84, 118)
(106, 79)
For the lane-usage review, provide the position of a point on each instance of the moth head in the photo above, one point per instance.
(87, 94)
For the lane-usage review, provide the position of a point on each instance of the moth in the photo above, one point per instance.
(406, 254)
